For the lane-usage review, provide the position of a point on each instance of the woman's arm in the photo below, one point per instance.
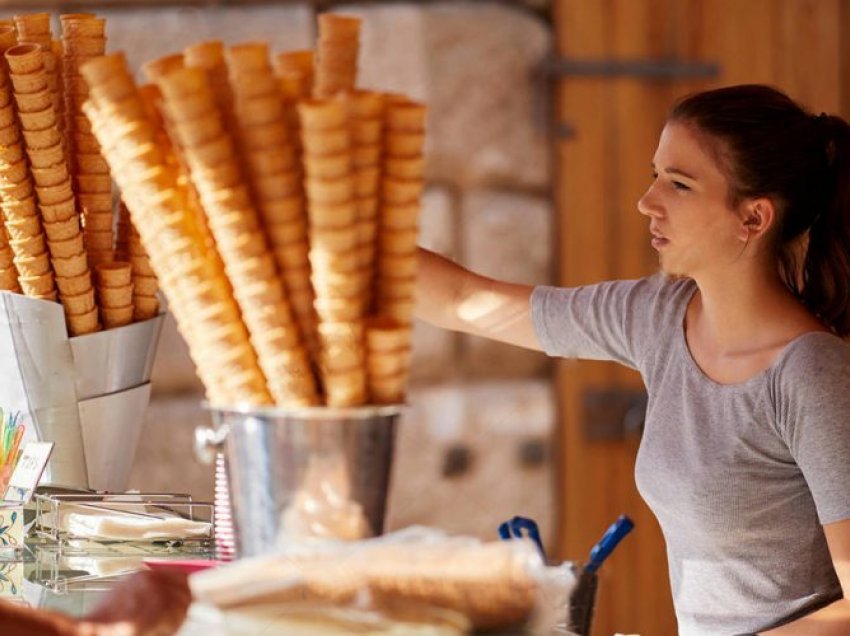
(834, 618)
(451, 297)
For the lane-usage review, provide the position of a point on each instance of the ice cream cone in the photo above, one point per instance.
(58, 212)
(114, 274)
(46, 157)
(24, 59)
(326, 142)
(398, 144)
(94, 183)
(16, 208)
(32, 245)
(34, 102)
(37, 285)
(329, 191)
(38, 120)
(70, 266)
(91, 163)
(52, 176)
(110, 297)
(38, 139)
(10, 135)
(85, 46)
(20, 228)
(344, 389)
(74, 285)
(95, 202)
(79, 325)
(50, 195)
(11, 154)
(145, 285)
(145, 307)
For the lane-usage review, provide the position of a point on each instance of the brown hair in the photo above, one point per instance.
(774, 148)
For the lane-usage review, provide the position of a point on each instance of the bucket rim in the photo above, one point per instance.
(306, 412)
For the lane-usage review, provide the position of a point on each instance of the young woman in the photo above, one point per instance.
(745, 456)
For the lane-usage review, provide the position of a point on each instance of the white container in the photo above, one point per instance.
(88, 394)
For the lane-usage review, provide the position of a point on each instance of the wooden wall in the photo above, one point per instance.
(603, 168)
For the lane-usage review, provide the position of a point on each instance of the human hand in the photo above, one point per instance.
(148, 603)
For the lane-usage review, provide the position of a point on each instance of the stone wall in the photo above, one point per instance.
(474, 445)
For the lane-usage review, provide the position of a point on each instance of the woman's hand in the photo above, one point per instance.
(149, 603)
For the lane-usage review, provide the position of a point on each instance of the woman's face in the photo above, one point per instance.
(691, 224)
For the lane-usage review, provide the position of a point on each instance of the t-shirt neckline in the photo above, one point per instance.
(694, 367)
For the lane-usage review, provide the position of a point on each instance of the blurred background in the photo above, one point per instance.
(543, 117)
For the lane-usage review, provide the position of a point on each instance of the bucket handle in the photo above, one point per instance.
(209, 442)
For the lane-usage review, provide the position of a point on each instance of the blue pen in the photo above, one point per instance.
(515, 527)
(613, 535)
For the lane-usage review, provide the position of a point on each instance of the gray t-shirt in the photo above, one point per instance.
(740, 476)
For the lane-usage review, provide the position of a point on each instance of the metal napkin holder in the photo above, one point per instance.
(51, 507)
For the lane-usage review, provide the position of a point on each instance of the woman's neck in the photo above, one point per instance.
(745, 309)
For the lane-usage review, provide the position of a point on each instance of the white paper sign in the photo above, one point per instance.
(28, 471)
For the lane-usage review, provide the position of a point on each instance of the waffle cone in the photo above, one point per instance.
(402, 191)
(94, 183)
(99, 222)
(31, 83)
(24, 58)
(366, 156)
(338, 309)
(78, 304)
(265, 136)
(14, 173)
(326, 142)
(85, 46)
(85, 142)
(82, 25)
(10, 135)
(74, 285)
(397, 309)
(59, 212)
(9, 280)
(145, 307)
(16, 192)
(406, 144)
(398, 241)
(145, 285)
(384, 334)
(322, 114)
(91, 163)
(46, 157)
(141, 266)
(51, 195)
(115, 297)
(20, 228)
(98, 241)
(287, 233)
(37, 139)
(95, 202)
(114, 274)
(388, 363)
(38, 120)
(11, 154)
(388, 389)
(272, 161)
(79, 325)
(259, 110)
(327, 166)
(30, 246)
(17, 208)
(70, 266)
(284, 210)
(53, 176)
(344, 389)
(37, 285)
(367, 132)
(276, 187)
(329, 191)
(7, 116)
(294, 255)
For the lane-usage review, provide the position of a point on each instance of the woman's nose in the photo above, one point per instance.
(647, 204)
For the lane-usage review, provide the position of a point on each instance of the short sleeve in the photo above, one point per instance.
(814, 415)
(614, 320)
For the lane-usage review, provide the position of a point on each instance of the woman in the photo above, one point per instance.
(745, 456)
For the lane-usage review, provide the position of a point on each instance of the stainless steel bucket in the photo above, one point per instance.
(296, 475)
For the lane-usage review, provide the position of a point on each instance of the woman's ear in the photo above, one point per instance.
(757, 217)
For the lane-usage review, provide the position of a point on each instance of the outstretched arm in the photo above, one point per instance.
(451, 297)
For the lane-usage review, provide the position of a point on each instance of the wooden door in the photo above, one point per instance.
(612, 124)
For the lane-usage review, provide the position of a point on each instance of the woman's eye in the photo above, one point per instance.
(680, 186)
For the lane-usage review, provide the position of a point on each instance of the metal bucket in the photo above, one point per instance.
(299, 475)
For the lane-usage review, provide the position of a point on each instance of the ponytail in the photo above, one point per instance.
(825, 286)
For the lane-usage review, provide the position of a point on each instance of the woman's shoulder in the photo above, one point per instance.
(814, 359)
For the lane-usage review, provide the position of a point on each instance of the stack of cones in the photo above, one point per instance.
(200, 295)
(34, 28)
(338, 279)
(54, 192)
(388, 359)
(294, 71)
(265, 142)
(190, 105)
(84, 38)
(209, 56)
(22, 222)
(336, 55)
(400, 208)
(366, 114)
(8, 273)
(115, 293)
